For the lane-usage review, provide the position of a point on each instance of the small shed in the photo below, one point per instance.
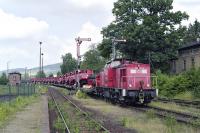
(14, 78)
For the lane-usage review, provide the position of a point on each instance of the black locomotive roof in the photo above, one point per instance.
(118, 59)
(15, 73)
(190, 46)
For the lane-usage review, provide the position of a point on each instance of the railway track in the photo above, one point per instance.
(195, 104)
(60, 113)
(163, 113)
(56, 95)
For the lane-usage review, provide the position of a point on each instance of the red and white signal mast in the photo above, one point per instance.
(79, 42)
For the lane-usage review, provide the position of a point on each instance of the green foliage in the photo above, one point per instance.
(58, 124)
(125, 121)
(192, 33)
(171, 123)
(59, 73)
(41, 89)
(93, 60)
(69, 63)
(150, 114)
(171, 86)
(7, 109)
(41, 74)
(50, 75)
(149, 26)
(3, 79)
(81, 95)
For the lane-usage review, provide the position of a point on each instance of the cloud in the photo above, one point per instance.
(191, 7)
(18, 27)
(89, 30)
(89, 3)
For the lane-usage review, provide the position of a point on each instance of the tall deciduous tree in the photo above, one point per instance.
(93, 60)
(192, 33)
(151, 29)
(69, 63)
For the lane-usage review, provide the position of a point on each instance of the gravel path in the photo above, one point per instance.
(33, 119)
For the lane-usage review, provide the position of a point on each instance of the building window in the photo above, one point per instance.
(184, 65)
(174, 66)
(193, 62)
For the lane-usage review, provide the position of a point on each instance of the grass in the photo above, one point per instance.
(41, 89)
(81, 95)
(7, 109)
(175, 107)
(186, 96)
(74, 119)
(143, 122)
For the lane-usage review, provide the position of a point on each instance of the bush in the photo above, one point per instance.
(172, 85)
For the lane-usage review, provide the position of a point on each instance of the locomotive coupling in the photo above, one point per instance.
(141, 96)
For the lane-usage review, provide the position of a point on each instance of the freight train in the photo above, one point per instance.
(120, 81)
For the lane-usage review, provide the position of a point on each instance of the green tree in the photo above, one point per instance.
(40, 75)
(51, 75)
(192, 33)
(93, 60)
(59, 73)
(151, 29)
(3, 79)
(69, 63)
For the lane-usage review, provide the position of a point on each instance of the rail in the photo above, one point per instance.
(85, 113)
(60, 113)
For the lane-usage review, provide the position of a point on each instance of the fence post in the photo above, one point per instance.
(9, 91)
(28, 88)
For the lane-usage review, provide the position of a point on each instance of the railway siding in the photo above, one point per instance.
(73, 118)
(129, 117)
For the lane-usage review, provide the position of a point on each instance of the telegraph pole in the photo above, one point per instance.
(79, 42)
(114, 44)
(42, 63)
(25, 74)
(8, 68)
(40, 58)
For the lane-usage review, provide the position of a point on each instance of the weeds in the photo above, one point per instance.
(171, 123)
(58, 124)
(125, 121)
(150, 114)
(81, 95)
(9, 108)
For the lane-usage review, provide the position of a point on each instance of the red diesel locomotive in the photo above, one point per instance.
(124, 80)
(120, 80)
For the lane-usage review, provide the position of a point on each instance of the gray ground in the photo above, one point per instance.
(33, 119)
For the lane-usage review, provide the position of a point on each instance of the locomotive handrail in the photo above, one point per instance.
(134, 77)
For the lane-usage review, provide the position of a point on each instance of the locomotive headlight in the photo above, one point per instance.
(130, 85)
(148, 85)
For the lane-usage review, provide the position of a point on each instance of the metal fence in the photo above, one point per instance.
(8, 92)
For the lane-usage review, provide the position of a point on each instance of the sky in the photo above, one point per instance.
(24, 23)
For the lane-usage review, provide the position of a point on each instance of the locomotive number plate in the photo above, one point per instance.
(143, 71)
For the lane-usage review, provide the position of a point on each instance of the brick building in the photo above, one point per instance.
(188, 57)
(14, 78)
